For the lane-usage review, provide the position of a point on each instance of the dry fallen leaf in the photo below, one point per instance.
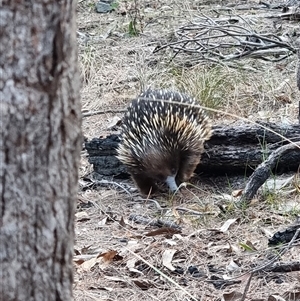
(122, 222)
(102, 222)
(85, 249)
(233, 249)
(232, 296)
(102, 258)
(251, 245)
(253, 201)
(130, 264)
(236, 193)
(247, 247)
(76, 252)
(88, 264)
(278, 183)
(268, 233)
(232, 266)
(114, 122)
(283, 98)
(163, 230)
(167, 258)
(82, 216)
(132, 245)
(142, 284)
(225, 197)
(109, 256)
(227, 224)
(171, 242)
(264, 114)
(79, 261)
(117, 279)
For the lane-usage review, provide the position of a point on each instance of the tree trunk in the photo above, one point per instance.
(40, 147)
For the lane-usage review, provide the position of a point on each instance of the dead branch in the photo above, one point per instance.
(291, 16)
(264, 170)
(290, 11)
(223, 40)
(284, 236)
(284, 267)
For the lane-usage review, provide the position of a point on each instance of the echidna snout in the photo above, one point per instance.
(171, 182)
(162, 139)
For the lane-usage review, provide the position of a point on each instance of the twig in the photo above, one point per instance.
(163, 275)
(194, 212)
(102, 112)
(247, 287)
(158, 207)
(105, 182)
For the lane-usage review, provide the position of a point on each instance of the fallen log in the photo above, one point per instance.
(233, 149)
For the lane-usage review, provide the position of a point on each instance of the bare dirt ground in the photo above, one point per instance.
(183, 247)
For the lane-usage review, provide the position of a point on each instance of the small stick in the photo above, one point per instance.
(102, 112)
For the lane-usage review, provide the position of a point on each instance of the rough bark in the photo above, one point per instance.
(298, 82)
(238, 148)
(40, 147)
(298, 71)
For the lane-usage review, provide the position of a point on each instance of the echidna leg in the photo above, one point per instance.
(187, 167)
(144, 183)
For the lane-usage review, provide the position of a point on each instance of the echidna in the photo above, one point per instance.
(162, 139)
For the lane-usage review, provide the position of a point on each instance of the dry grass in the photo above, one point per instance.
(115, 67)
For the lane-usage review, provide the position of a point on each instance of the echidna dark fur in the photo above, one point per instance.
(162, 140)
